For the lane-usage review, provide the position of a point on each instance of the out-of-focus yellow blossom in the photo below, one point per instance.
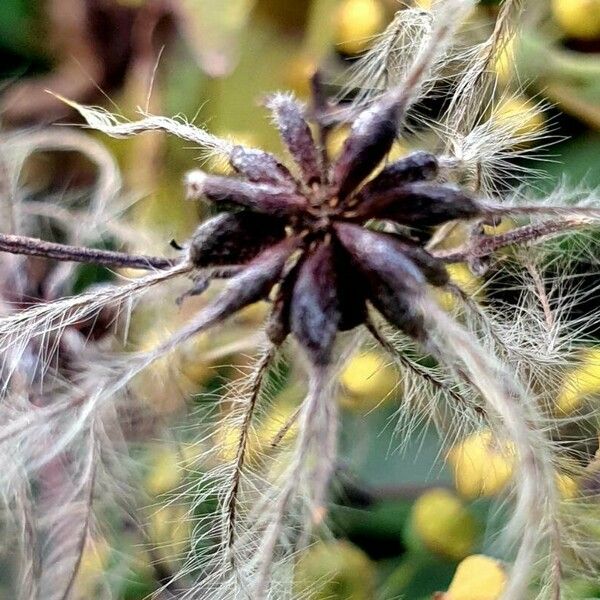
(94, 561)
(191, 453)
(481, 466)
(336, 571)
(444, 524)
(580, 383)
(165, 472)
(578, 18)
(505, 61)
(399, 150)
(567, 486)
(461, 276)
(261, 436)
(356, 22)
(219, 164)
(161, 386)
(190, 361)
(229, 439)
(521, 114)
(298, 73)
(278, 417)
(254, 313)
(477, 577)
(504, 226)
(169, 529)
(366, 380)
(336, 139)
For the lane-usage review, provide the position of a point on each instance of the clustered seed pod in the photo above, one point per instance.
(337, 264)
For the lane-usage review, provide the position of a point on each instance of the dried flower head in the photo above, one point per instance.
(341, 243)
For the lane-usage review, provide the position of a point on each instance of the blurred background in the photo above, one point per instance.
(400, 525)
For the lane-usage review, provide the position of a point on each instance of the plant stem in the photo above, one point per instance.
(485, 245)
(17, 244)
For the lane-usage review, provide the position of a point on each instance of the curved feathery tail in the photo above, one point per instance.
(119, 127)
(42, 323)
(67, 493)
(231, 500)
(311, 468)
(415, 71)
(388, 60)
(518, 421)
(84, 395)
(268, 500)
(478, 77)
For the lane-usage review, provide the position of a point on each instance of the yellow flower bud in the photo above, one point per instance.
(460, 275)
(336, 139)
(336, 571)
(505, 61)
(580, 383)
(94, 561)
(190, 362)
(219, 164)
(578, 18)
(165, 472)
(298, 72)
(482, 467)
(568, 487)
(477, 577)
(273, 424)
(169, 529)
(520, 115)
(356, 22)
(444, 524)
(366, 381)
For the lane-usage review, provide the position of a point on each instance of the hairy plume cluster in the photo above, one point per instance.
(346, 243)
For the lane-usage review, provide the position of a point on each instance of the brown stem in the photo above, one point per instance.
(485, 245)
(18, 244)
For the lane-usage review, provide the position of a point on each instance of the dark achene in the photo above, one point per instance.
(307, 231)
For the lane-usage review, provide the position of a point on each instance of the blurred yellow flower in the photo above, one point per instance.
(366, 381)
(94, 561)
(219, 164)
(520, 115)
(567, 486)
(444, 524)
(477, 577)
(336, 139)
(356, 22)
(481, 465)
(254, 313)
(169, 529)
(580, 383)
(298, 72)
(165, 472)
(505, 61)
(191, 364)
(461, 276)
(336, 571)
(578, 18)
(277, 418)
